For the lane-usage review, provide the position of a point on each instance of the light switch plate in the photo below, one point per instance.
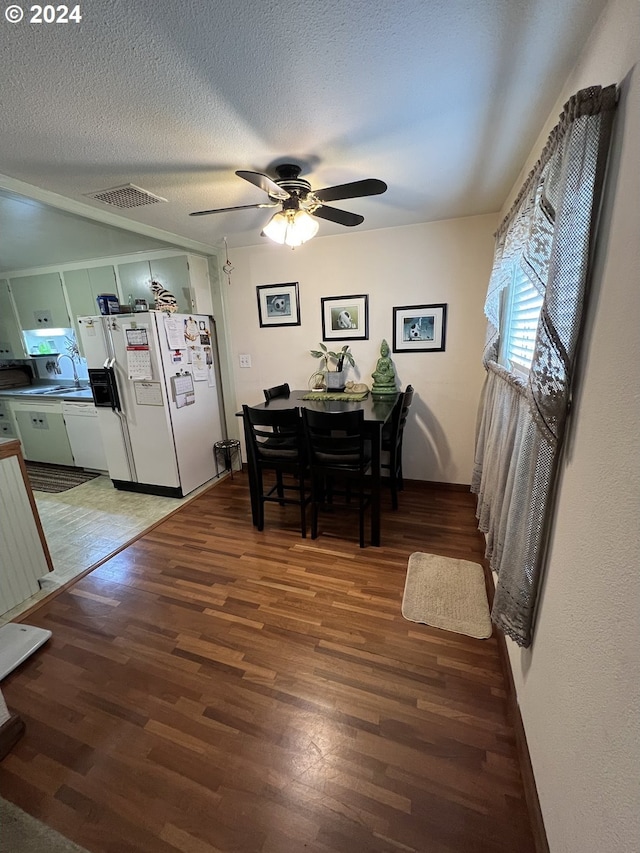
(245, 360)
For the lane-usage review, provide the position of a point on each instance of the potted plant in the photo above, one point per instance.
(334, 379)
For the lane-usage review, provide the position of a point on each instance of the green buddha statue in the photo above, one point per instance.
(384, 376)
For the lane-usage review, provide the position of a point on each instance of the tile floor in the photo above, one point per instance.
(88, 523)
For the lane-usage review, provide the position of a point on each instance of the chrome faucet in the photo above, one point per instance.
(76, 380)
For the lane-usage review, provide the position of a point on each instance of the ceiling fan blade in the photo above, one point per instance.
(342, 217)
(265, 183)
(356, 189)
(227, 209)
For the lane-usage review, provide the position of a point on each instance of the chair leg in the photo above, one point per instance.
(393, 479)
(400, 476)
(255, 501)
(316, 496)
(259, 521)
(280, 487)
(303, 509)
(394, 491)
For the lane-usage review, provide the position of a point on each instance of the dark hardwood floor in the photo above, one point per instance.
(213, 688)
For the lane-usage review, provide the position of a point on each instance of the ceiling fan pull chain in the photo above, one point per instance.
(227, 269)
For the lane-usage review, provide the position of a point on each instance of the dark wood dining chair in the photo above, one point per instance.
(275, 443)
(340, 458)
(392, 435)
(277, 391)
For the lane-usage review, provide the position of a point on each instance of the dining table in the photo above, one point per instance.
(376, 414)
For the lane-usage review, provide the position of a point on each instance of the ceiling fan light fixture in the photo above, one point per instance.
(291, 227)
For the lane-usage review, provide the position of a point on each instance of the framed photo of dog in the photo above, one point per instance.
(278, 304)
(420, 328)
(345, 318)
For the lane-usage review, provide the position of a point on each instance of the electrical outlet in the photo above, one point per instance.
(245, 360)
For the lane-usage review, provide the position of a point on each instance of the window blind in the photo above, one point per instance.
(522, 322)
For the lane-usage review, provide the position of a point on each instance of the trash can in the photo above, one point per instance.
(226, 452)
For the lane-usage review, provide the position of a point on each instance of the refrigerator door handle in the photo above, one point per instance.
(128, 449)
(115, 397)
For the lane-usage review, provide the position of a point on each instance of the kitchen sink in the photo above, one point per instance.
(56, 389)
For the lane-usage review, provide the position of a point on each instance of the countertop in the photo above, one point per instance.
(49, 391)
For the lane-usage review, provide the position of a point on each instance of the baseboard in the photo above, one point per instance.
(439, 486)
(10, 733)
(524, 759)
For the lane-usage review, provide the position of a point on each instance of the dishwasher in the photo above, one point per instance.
(83, 430)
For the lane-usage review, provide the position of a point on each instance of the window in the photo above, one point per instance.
(521, 304)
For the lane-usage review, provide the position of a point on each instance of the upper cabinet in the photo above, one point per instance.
(10, 337)
(40, 301)
(83, 288)
(56, 299)
(172, 273)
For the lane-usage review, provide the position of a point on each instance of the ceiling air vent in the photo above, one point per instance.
(125, 197)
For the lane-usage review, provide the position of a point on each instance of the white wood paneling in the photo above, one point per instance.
(22, 557)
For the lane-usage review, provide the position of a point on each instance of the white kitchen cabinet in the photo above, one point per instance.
(85, 438)
(42, 431)
(40, 301)
(83, 287)
(10, 336)
(7, 426)
(172, 273)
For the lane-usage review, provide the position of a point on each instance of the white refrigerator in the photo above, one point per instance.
(156, 385)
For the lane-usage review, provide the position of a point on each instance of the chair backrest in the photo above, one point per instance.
(399, 416)
(277, 391)
(407, 399)
(273, 435)
(335, 440)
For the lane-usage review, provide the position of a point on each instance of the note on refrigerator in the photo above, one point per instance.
(175, 332)
(198, 363)
(139, 363)
(182, 390)
(148, 393)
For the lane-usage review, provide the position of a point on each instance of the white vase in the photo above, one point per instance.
(335, 380)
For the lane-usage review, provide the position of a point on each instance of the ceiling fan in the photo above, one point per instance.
(294, 223)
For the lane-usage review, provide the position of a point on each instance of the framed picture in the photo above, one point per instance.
(278, 304)
(419, 328)
(345, 318)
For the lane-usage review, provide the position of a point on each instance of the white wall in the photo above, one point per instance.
(578, 684)
(448, 261)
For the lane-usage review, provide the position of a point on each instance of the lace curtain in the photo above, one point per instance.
(549, 234)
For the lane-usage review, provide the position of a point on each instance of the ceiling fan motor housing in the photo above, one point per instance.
(288, 179)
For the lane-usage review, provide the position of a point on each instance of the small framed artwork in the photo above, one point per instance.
(278, 304)
(420, 328)
(345, 318)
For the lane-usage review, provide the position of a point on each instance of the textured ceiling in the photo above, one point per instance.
(442, 99)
